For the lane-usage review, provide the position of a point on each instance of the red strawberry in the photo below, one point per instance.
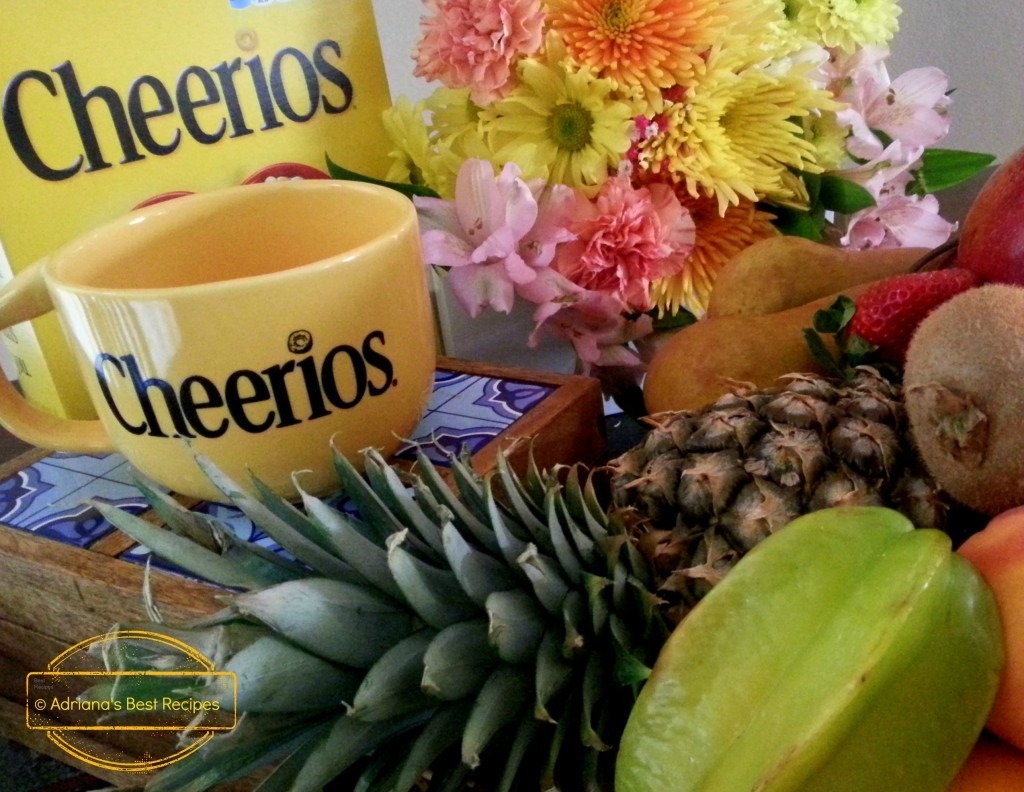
(889, 311)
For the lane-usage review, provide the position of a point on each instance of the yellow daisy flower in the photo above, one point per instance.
(719, 238)
(847, 24)
(564, 121)
(736, 132)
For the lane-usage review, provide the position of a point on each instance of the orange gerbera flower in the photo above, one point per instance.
(719, 238)
(649, 43)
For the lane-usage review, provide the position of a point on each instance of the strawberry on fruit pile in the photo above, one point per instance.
(890, 310)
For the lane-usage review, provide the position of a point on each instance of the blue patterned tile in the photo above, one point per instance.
(443, 435)
(500, 401)
(48, 497)
(447, 386)
(80, 524)
(511, 400)
(90, 464)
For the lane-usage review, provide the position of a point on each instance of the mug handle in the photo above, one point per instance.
(23, 298)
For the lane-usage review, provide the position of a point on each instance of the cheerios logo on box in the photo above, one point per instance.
(124, 103)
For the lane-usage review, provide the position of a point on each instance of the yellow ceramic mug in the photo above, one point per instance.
(253, 325)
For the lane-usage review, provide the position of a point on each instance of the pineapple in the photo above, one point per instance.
(495, 632)
(704, 487)
(445, 633)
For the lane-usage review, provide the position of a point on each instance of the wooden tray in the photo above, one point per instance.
(55, 594)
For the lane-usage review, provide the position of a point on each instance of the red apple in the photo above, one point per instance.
(992, 240)
(285, 170)
(167, 196)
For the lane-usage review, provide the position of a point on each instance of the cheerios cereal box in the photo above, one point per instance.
(109, 104)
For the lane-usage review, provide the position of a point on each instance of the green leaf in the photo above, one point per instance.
(505, 697)
(681, 318)
(944, 168)
(278, 529)
(254, 743)
(629, 669)
(408, 190)
(821, 352)
(812, 183)
(883, 138)
(181, 551)
(211, 534)
(844, 196)
(836, 316)
(792, 222)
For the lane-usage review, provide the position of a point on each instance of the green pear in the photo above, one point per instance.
(849, 652)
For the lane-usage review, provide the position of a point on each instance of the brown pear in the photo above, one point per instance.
(784, 272)
(697, 364)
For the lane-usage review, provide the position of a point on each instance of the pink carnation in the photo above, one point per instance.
(474, 43)
(626, 239)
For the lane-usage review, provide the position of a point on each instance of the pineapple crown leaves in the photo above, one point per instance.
(854, 350)
(500, 624)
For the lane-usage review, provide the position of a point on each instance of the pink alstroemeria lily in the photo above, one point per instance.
(478, 235)
(911, 109)
(899, 221)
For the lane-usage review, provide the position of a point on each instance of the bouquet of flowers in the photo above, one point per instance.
(602, 159)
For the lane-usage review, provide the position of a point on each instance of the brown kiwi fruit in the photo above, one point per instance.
(964, 393)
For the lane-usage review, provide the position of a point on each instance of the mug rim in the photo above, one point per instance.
(93, 237)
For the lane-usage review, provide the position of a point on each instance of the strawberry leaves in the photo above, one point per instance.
(854, 350)
(877, 328)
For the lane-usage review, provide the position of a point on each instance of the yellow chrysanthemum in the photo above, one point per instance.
(564, 121)
(847, 24)
(780, 28)
(403, 124)
(453, 114)
(736, 132)
(456, 132)
(415, 158)
(829, 139)
(719, 238)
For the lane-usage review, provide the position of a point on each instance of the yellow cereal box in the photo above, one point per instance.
(107, 104)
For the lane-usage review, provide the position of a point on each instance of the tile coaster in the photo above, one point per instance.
(48, 498)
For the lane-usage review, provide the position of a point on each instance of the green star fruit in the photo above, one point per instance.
(846, 653)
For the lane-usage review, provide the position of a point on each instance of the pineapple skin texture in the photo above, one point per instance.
(705, 486)
(849, 653)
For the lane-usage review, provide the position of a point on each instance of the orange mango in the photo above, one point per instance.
(997, 552)
(992, 766)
